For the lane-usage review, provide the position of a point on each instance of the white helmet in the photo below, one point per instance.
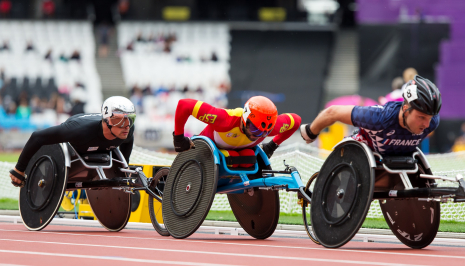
(118, 107)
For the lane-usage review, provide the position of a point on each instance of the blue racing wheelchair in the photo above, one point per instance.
(198, 174)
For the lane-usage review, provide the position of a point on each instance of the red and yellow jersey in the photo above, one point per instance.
(223, 125)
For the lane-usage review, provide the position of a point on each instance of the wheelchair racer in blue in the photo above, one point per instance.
(396, 128)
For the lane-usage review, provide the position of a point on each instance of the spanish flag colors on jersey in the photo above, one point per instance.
(223, 125)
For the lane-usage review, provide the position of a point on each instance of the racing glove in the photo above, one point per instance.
(182, 143)
(307, 134)
(269, 148)
(18, 176)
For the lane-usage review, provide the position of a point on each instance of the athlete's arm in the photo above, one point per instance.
(48, 136)
(286, 125)
(331, 115)
(201, 111)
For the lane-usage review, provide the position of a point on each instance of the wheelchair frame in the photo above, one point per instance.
(289, 183)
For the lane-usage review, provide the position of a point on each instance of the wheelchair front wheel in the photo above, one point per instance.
(306, 210)
(157, 186)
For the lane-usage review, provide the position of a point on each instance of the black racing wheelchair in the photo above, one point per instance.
(108, 181)
(353, 176)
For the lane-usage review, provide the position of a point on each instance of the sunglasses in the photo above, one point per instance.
(256, 132)
(125, 119)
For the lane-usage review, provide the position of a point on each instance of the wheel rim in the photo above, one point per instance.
(41, 183)
(185, 189)
(339, 194)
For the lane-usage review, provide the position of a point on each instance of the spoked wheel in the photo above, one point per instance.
(306, 209)
(157, 186)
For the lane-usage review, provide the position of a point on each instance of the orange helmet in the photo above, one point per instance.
(260, 115)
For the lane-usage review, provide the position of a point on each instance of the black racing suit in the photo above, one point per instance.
(83, 131)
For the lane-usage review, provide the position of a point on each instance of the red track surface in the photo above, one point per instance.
(65, 245)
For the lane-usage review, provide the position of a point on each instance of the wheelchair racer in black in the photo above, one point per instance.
(396, 128)
(87, 133)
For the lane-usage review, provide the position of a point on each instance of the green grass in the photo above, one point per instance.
(8, 204)
(9, 157)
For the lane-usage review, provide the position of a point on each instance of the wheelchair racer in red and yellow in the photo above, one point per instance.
(234, 131)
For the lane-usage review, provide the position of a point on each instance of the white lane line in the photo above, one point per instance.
(164, 262)
(253, 245)
(213, 253)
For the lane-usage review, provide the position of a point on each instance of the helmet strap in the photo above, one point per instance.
(404, 120)
(110, 127)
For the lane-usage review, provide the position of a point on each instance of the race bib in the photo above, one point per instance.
(410, 93)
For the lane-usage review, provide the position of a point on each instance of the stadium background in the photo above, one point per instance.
(61, 57)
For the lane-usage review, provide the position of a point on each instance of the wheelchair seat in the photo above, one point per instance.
(399, 162)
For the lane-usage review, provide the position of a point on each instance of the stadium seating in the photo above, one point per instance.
(31, 72)
(175, 61)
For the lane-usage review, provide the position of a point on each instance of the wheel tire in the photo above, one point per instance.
(157, 185)
(307, 220)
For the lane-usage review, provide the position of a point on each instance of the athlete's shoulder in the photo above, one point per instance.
(235, 112)
(85, 117)
(82, 120)
(376, 117)
(434, 122)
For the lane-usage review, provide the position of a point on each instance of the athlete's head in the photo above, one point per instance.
(119, 114)
(259, 117)
(422, 101)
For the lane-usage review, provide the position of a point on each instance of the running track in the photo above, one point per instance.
(72, 245)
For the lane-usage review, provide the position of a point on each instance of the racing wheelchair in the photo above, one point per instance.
(353, 176)
(198, 174)
(109, 183)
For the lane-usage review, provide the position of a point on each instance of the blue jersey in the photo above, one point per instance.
(381, 131)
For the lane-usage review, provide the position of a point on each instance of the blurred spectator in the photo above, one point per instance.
(29, 46)
(23, 110)
(63, 58)
(147, 90)
(396, 94)
(78, 101)
(140, 38)
(134, 89)
(5, 8)
(76, 55)
(104, 36)
(48, 56)
(11, 108)
(136, 99)
(130, 46)
(409, 74)
(48, 8)
(123, 8)
(214, 57)
(35, 105)
(5, 46)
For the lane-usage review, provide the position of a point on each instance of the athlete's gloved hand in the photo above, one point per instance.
(182, 143)
(17, 178)
(269, 148)
(307, 134)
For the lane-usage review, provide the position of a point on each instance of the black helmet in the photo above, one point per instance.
(423, 95)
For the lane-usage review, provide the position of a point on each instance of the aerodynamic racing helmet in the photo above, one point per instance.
(423, 95)
(260, 115)
(116, 109)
